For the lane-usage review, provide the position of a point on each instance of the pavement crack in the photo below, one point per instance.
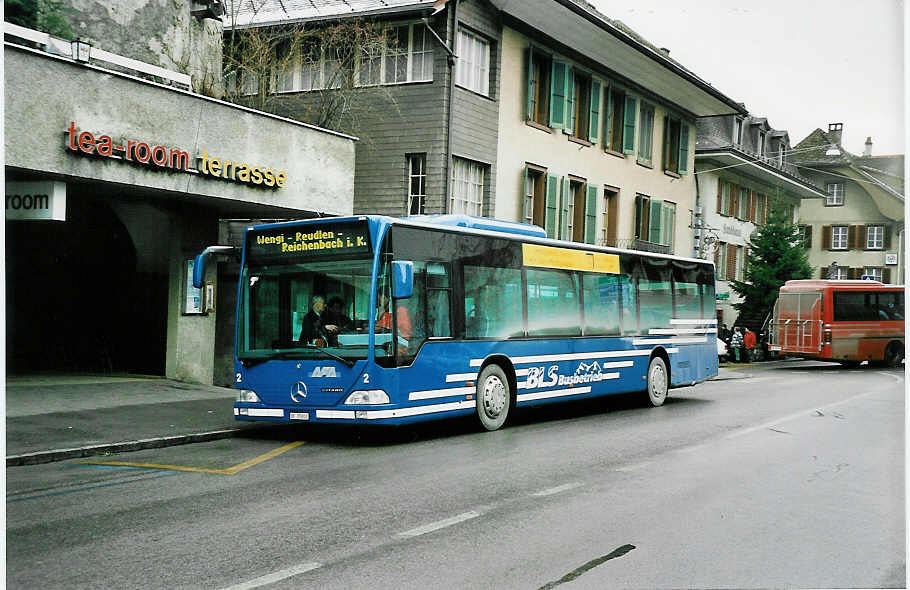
(780, 431)
(618, 552)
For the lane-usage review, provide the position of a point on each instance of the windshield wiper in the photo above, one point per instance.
(347, 362)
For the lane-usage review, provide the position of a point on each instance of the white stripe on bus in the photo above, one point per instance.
(394, 413)
(557, 392)
(434, 393)
(712, 322)
(675, 331)
(646, 341)
(461, 377)
(546, 358)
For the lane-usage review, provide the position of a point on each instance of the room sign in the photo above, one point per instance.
(36, 200)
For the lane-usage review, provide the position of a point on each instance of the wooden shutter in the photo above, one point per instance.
(720, 196)
(886, 275)
(570, 102)
(594, 113)
(558, 86)
(731, 262)
(529, 104)
(552, 206)
(654, 221)
(808, 234)
(826, 237)
(853, 240)
(734, 200)
(666, 142)
(855, 273)
(823, 272)
(564, 210)
(886, 239)
(628, 127)
(608, 116)
(591, 215)
(753, 206)
(683, 164)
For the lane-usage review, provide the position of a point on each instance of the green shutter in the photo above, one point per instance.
(628, 132)
(564, 210)
(552, 198)
(683, 147)
(654, 219)
(594, 115)
(668, 221)
(591, 215)
(558, 82)
(529, 108)
(570, 102)
(608, 116)
(666, 143)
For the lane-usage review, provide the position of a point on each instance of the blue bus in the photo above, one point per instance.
(438, 316)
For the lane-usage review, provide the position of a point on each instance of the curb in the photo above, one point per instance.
(121, 447)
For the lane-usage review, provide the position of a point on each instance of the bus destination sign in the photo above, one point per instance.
(308, 240)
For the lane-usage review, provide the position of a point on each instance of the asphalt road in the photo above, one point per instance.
(792, 477)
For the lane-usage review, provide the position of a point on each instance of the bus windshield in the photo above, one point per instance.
(307, 310)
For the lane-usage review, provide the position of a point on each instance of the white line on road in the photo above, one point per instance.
(796, 415)
(899, 377)
(275, 577)
(439, 524)
(558, 489)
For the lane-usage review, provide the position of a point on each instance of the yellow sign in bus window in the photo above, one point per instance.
(568, 259)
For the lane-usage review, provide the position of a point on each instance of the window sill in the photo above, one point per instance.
(615, 153)
(672, 174)
(645, 164)
(580, 141)
(538, 126)
(834, 205)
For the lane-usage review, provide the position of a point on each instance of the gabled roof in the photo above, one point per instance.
(819, 148)
(249, 13)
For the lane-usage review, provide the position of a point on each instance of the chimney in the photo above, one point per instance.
(868, 149)
(834, 131)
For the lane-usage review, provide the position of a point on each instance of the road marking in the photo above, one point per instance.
(229, 471)
(439, 524)
(795, 415)
(899, 377)
(556, 490)
(276, 576)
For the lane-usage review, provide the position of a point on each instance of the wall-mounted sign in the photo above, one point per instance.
(34, 200)
(890, 258)
(171, 158)
(733, 230)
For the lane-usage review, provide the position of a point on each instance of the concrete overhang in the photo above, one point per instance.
(592, 35)
(761, 171)
(888, 201)
(265, 18)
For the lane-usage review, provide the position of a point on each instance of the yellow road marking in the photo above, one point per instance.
(229, 471)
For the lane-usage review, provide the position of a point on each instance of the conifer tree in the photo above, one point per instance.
(777, 254)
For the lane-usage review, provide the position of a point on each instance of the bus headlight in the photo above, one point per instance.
(369, 397)
(247, 395)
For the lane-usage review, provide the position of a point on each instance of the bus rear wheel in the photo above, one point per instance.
(894, 354)
(494, 397)
(658, 382)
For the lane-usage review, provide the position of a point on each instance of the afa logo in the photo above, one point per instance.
(324, 372)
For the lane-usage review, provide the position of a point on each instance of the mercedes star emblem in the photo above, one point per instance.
(298, 390)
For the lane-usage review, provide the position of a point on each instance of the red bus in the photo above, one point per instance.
(842, 321)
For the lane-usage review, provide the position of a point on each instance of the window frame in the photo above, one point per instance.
(835, 197)
(384, 55)
(473, 76)
(837, 239)
(421, 176)
(873, 241)
(465, 173)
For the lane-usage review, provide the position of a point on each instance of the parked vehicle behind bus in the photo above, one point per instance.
(455, 315)
(843, 321)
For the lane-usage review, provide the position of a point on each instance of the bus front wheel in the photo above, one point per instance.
(494, 398)
(894, 354)
(658, 382)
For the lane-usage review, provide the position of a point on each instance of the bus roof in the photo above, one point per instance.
(484, 226)
(817, 284)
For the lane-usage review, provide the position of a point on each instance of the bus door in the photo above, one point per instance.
(799, 322)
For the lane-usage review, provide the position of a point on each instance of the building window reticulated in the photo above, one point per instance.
(467, 187)
(839, 237)
(835, 195)
(417, 184)
(473, 66)
(875, 237)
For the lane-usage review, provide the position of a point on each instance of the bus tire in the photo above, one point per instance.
(494, 397)
(658, 382)
(894, 354)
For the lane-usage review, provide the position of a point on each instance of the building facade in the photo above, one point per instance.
(113, 183)
(543, 111)
(743, 166)
(858, 229)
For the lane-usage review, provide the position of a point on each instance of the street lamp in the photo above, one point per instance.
(82, 50)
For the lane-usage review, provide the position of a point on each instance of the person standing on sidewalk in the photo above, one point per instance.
(749, 344)
(736, 344)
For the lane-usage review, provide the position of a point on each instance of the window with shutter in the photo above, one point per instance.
(558, 90)
(591, 215)
(552, 212)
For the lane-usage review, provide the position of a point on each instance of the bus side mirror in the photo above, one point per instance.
(402, 279)
(201, 259)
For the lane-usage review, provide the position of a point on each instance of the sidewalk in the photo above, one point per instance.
(52, 418)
